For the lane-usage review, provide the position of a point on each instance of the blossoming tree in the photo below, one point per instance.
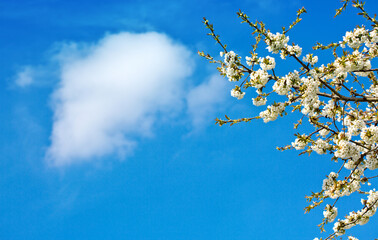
(339, 99)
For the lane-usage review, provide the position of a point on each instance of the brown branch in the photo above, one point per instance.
(349, 99)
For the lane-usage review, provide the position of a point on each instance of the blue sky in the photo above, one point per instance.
(108, 132)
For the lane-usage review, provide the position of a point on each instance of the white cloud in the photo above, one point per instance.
(111, 92)
(25, 77)
(205, 99)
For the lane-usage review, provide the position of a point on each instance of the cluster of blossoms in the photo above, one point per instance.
(345, 148)
(293, 50)
(324, 132)
(300, 143)
(339, 99)
(330, 213)
(276, 42)
(259, 101)
(310, 99)
(320, 146)
(330, 109)
(356, 61)
(349, 238)
(267, 63)
(230, 67)
(334, 188)
(356, 38)
(283, 85)
(360, 217)
(371, 161)
(237, 93)
(359, 36)
(252, 60)
(311, 59)
(354, 124)
(373, 90)
(370, 134)
(352, 238)
(272, 112)
(259, 78)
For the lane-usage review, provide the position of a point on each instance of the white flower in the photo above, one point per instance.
(282, 86)
(371, 161)
(267, 63)
(374, 90)
(324, 132)
(353, 63)
(329, 109)
(356, 38)
(251, 60)
(370, 134)
(360, 217)
(299, 143)
(346, 149)
(352, 238)
(230, 57)
(230, 67)
(276, 42)
(259, 101)
(295, 50)
(330, 213)
(272, 112)
(237, 93)
(259, 78)
(328, 182)
(355, 127)
(320, 146)
(311, 59)
(310, 99)
(338, 228)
